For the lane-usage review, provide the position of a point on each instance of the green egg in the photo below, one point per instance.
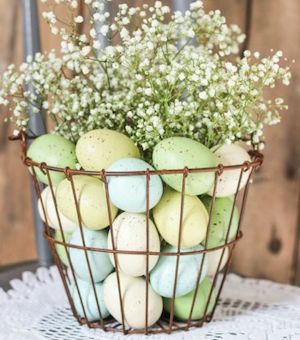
(220, 220)
(91, 199)
(183, 304)
(180, 152)
(61, 250)
(98, 149)
(54, 151)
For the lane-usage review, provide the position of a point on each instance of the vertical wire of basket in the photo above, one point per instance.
(168, 323)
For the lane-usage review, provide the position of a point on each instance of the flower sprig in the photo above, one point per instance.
(172, 74)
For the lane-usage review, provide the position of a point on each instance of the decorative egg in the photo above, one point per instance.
(55, 151)
(162, 277)
(194, 220)
(231, 154)
(88, 300)
(60, 249)
(128, 193)
(180, 152)
(213, 258)
(183, 304)
(133, 293)
(52, 219)
(220, 220)
(130, 233)
(100, 263)
(91, 199)
(98, 149)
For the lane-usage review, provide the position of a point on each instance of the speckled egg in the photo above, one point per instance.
(91, 198)
(55, 151)
(133, 292)
(231, 154)
(89, 309)
(162, 277)
(214, 258)
(60, 249)
(194, 221)
(100, 263)
(98, 149)
(130, 233)
(183, 304)
(128, 193)
(180, 152)
(52, 219)
(220, 220)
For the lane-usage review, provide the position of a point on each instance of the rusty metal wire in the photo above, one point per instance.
(168, 322)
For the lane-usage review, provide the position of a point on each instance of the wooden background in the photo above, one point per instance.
(269, 248)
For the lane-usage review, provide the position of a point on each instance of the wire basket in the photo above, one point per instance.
(168, 321)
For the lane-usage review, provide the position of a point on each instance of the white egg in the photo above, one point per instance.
(46, 196)
(133, 293)
(231, 154)
(130, 233)
(214, 258)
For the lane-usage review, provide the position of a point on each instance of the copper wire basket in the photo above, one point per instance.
(167, 322)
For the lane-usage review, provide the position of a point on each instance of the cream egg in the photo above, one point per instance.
(51, 214)
(130, 233)
(214, 258)
(133, 294)
(231, 154)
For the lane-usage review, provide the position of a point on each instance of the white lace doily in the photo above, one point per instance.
(36, 308)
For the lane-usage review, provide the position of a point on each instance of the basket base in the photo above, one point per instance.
(162, 326)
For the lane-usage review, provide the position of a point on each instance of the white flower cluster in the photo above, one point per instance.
(172, 74)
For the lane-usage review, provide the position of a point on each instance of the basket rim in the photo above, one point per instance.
(255, 163)
(180, 252)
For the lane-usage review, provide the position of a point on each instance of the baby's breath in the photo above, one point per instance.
(172, 75)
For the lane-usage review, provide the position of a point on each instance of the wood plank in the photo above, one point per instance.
(16, 231)
(270, 222)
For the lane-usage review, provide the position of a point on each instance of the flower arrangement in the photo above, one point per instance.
(161, 75)
(135, 203)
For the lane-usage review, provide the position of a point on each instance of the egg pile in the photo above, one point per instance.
(126, 205)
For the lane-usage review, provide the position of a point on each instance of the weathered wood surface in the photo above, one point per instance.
(267, 249)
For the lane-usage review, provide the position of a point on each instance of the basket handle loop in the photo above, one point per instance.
(22, 137)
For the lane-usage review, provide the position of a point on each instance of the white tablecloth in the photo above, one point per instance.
(36, 308)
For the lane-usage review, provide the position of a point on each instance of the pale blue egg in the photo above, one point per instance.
(88, 300)
(162, 277)
(100, 263)
(128, 193)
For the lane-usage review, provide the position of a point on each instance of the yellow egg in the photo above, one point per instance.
(90, 194)
(98, 149)
(167, 219)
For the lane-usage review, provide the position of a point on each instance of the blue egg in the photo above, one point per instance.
(88, 299)
(128, 193)
(162, 277)
(100, 263)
